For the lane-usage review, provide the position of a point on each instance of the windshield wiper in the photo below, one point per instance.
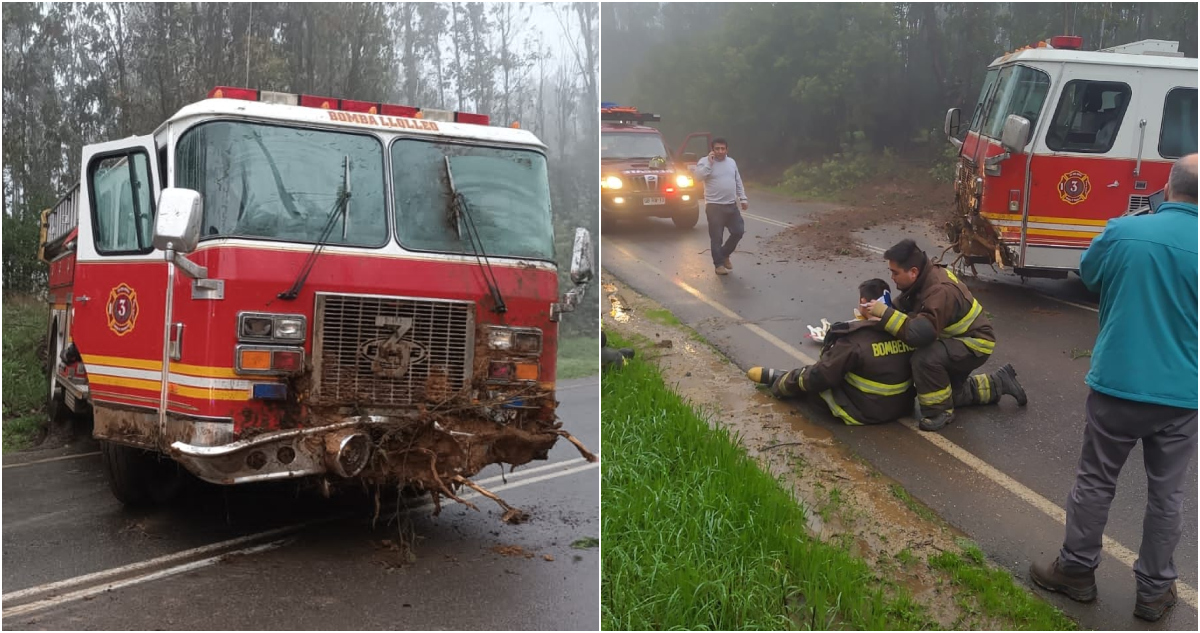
(341, 207)
(460, 209)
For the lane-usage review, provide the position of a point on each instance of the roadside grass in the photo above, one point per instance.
(697, 537)
(578, 357)
(24, 382)
(996, 594)
(920, 510)
(661, 316)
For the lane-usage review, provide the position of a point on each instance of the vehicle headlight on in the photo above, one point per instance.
(683, 181)
(611, 182)
(515, 340)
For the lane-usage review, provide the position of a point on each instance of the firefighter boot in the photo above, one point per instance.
(937, 422)
(1078, 585)
(1005, 382)
(764, 375)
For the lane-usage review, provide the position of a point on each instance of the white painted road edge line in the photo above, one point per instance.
(52, 459)
(170, 571)
(1185, 592)
(517, 479)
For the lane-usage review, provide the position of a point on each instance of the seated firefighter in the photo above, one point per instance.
(938, 316)
(865, 374)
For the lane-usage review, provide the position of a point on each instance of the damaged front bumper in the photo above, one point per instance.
(342, 448)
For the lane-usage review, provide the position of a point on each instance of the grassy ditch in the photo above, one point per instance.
(995, 593)
(23, 373)
(578, 357)
(697, 537)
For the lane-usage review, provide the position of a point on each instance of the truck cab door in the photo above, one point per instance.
(120, 288)
(694, 147)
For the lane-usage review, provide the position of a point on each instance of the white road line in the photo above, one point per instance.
(52, 459)
(1185, 592)
(516, 480)
(170, 571)
(876, 249)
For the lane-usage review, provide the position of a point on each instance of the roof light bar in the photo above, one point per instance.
(1070, 42)
(349, 105)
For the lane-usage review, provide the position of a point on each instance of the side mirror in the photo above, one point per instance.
(690, 157)
(1016, 133)
(177, 226)
(953, 123)
(581, 257)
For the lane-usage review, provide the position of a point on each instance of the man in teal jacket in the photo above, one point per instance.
(1143, 387)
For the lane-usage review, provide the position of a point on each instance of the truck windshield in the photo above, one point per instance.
(508, 191)
(1021, 91)
(281, 183)
(623, 145)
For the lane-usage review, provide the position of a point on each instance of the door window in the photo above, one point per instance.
(1088, 116)
(1178, 134)
(1021, 91)
(122, 204)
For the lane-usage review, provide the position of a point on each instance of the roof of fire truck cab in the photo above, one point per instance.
(610, 126)
(316, 116)
(1058, 55)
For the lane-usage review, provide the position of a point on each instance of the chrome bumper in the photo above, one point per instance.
(341, 448)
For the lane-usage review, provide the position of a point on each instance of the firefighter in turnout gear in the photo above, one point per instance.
(863, 374)
(937, 315)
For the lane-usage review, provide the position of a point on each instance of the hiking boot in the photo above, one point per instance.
(1078, 586)
(722, 270)
(937, 422)
(1152, 610)
(1005, 380)
(728, 264)
(765, 375)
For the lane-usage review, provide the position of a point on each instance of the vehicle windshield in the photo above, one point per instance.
(508, 192)
(625, 145)
(1021, 91)
(281, 183)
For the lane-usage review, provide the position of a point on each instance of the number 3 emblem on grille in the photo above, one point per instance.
(122, 309)
(393, 356)
(1074, 187)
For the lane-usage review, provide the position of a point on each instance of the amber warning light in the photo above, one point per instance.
(346, 105)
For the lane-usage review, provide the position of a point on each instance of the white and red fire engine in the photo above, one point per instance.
(1063, 140)
(275, 285)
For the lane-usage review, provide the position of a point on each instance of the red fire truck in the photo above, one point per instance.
(275, 285)
(639, 175)
(1063, 140)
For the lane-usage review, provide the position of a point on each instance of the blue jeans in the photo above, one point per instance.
(721, 217)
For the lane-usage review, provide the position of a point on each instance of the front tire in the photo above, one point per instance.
(686, 219)
(140, 478)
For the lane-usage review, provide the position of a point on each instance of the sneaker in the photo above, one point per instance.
(721, 270)
(1005, 380)
(1078, 586)
(1152, 610)
(764, 375)
(937, 422)
(728, 264)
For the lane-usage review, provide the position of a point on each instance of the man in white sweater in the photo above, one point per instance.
(723, 194)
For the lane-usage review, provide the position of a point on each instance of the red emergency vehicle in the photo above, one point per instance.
(1061, 141)
(276, 285)
(639, 176)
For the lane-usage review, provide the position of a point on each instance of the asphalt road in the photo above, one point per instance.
(1001, 474)
(75, 559)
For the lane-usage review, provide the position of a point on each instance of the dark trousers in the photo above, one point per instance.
(1114, 426)
(721, 217)
(939, 371)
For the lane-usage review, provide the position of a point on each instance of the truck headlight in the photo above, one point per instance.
(682, 181)
(289, 328)
(263, 327)
(611, 182)
(515, 340)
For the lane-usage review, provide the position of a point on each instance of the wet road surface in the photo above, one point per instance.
(263, 557)
(1001, 474)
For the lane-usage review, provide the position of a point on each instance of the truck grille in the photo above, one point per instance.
(1137, 202)
(648, 182)
(390, 351)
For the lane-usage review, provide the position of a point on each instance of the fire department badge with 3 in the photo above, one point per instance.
(122, 309)
(1074, 187)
